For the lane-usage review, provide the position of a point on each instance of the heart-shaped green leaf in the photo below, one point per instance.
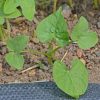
(15, 60)
(74, 82)
(18, 43)
(83, 36)
(28, 8)
(9, 6)
(53, 27)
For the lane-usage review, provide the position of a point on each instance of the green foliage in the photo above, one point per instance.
(53, 27)
(9, 6)
(15, 47)
(83, 36)
(9, 9)
(28, 8)
(15, 60)
(17, 44)
(74, 81)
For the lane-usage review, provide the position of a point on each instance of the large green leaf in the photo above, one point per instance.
(28, 8)
(74, 81)
(9, 6)
(53, 27)
(15, 60)
(18, 43)
(83, 36)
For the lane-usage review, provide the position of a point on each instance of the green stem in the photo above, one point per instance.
(2, 34)
(8, 27)
(55, 5)
(70, 3)
(34, 52)
(49, 54)
(95, 3)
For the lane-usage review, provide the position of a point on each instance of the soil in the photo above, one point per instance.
(36, 67)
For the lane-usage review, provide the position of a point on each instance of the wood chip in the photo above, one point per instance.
(32, 73)
(1, 68)
(79, 53)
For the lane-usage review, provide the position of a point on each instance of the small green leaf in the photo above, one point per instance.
(53, 27)
(15, 60)
(74, 82)
(28, 8)
(9, 6)
(18, 43)
(83, 36)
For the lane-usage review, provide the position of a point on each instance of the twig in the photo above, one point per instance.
(64, 56)
(18, 20)
(28, 69)
(36, 20)
(8, 27)
(33, 52)
(55, 5)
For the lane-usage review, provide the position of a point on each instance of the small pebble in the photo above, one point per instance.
(97, 53)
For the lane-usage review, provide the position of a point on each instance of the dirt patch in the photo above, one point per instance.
(43, 72)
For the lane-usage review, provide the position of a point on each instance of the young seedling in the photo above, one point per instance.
(16, 46)
(14, 8)
(54, 28)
